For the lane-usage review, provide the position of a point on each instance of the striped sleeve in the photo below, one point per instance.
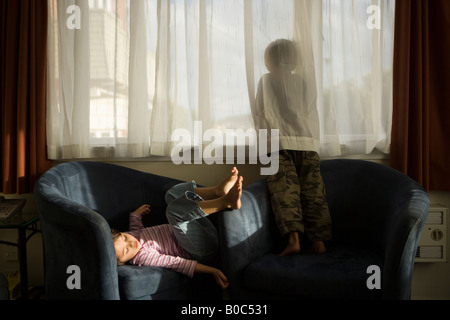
(135, 221)
(155, 259)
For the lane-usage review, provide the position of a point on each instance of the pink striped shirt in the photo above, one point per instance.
(159, 247)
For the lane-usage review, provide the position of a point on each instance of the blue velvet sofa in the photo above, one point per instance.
(377, 215)
(79, 203)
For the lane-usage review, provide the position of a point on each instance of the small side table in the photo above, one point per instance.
(22, 224)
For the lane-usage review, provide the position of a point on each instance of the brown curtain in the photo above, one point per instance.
(420, 145)
(23, 39)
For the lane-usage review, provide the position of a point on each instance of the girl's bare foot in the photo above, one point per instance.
(227, 183)
(233, 197)
(230, 200)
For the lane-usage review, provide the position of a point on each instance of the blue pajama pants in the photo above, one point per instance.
(193, 230)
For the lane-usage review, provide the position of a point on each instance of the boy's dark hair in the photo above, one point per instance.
(281, 54)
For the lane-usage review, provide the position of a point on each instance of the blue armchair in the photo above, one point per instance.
(78, 204)
(377, 215)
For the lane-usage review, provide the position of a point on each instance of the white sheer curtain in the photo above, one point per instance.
(353, 50)
(133, 71)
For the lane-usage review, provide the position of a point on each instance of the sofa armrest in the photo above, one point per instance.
(380, 209)
(401, 244)
(75, 235)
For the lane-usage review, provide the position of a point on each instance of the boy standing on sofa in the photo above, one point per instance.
(297, 191)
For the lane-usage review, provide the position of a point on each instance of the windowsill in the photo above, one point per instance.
(374, 156)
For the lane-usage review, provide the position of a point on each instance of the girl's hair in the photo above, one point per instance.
(281, 54)
(116, 233)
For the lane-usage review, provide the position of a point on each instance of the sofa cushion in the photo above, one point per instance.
(325, 276)
(137, 282)
(144, 283)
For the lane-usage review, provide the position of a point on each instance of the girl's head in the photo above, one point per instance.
(281, 55)
(126, 246)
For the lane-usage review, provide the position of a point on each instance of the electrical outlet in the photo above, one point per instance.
(11, 253)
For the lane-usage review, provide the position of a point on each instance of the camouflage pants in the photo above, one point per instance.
(298, 196)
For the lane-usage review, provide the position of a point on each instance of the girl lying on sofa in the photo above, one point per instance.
(188, 243)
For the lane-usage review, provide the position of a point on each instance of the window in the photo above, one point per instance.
(132, 72)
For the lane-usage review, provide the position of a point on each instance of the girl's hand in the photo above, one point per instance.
(143, 210)
(220, 278)
(218, 275)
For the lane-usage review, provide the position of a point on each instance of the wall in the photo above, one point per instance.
(430, 280)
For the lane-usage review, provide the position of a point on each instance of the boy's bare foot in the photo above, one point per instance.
(318, 247)
(293, 246)
(227, 183)
(233, 197)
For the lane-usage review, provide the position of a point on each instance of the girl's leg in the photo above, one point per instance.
(185, 211)
(188, 196)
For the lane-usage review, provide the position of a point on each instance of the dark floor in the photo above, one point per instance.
(36, 293)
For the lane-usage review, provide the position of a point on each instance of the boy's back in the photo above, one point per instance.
(282, 103)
